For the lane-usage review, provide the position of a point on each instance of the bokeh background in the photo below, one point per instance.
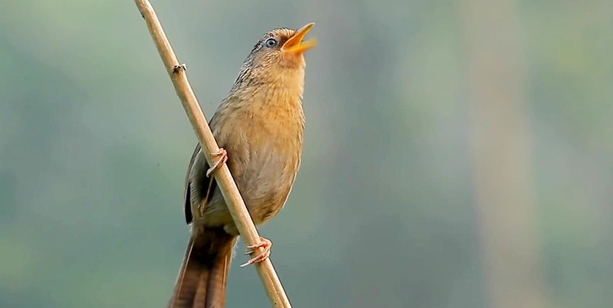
(458, 153)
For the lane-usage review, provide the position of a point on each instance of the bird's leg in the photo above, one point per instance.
(265, 244)
(222, 157)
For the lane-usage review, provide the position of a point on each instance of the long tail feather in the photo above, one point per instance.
(203, 276)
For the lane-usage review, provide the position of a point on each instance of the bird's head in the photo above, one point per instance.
(278, 55)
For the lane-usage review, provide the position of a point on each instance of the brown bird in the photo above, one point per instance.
(260, 128)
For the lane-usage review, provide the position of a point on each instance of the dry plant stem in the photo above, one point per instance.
(228, 188)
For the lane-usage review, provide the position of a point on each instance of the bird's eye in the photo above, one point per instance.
(271, 42)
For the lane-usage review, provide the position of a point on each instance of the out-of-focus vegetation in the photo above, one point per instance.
(94, 147)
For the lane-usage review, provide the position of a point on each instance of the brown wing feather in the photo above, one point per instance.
(187, 200)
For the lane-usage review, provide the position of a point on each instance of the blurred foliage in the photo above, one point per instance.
(94, 146)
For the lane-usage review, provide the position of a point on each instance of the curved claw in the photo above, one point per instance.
(222, 159)
(264, 244)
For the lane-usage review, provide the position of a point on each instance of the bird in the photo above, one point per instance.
(259, 128)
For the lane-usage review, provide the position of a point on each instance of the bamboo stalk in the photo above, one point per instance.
(228, 188)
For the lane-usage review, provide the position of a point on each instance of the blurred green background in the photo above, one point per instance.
(458, 154)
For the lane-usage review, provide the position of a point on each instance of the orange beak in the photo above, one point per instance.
(295, 45)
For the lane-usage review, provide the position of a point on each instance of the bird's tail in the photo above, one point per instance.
(203, 276)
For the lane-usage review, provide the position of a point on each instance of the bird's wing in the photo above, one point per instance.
(187, 200)
(205, 185)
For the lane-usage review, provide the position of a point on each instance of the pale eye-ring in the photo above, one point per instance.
(271, 42)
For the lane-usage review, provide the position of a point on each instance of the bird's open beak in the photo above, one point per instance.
(295, 45)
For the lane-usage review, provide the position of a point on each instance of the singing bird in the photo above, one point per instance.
(259, 127)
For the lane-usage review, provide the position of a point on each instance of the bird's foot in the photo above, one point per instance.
(222, 157)
(265, 244)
